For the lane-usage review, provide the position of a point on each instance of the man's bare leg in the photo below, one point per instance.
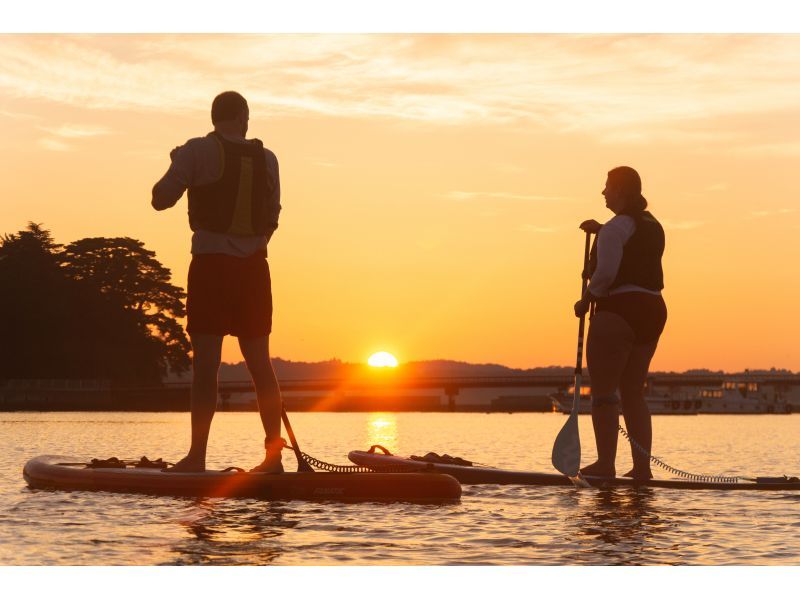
(206, 355)
(256, 355)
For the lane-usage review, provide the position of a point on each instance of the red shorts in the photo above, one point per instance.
(229, 295)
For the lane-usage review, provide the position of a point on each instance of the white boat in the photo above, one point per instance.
(658, 405)
(736, 396)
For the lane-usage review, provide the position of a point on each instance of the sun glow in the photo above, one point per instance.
(713, 107)
(382, 359)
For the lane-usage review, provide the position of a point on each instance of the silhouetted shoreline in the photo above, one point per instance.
(434, 368)
(481, 388)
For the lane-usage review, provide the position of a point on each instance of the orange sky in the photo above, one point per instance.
(433, 184)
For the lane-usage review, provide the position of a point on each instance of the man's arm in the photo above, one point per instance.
(168, 190)
(164, 195)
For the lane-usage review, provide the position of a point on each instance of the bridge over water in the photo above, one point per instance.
(451, 385)
(383, 391)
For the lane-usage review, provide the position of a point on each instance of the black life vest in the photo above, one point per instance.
(641, 256)
(236, 203)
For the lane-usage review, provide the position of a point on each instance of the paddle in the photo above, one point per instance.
(566, 456)
(301, 463)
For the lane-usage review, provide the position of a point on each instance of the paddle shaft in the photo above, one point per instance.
(566, 456)
(301, 463)
(581, 325)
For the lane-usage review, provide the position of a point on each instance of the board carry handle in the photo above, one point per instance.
(384, 450)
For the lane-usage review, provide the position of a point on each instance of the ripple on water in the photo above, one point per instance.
(492, 525)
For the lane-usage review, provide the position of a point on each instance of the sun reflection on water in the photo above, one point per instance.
(382, 430)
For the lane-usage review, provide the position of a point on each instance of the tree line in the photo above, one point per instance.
(101, 308)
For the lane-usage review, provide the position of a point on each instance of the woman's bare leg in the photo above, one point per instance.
(634, 407)
(608, 347)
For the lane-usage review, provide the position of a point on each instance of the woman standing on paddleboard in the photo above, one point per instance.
(629, 316)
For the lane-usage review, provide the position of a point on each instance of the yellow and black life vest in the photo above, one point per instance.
(236, 203)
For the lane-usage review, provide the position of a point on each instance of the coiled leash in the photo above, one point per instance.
(306, 462)
(706, 478)
(334, 468)
(433, 458)
(673, 470)
(394, 468)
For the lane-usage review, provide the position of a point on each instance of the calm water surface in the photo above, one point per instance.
(492, 525)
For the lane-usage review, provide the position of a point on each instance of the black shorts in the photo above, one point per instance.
(229, 295)
(645, 313)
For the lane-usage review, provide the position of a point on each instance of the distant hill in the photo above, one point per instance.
(335, 369)
(445, 368)
(438, 368)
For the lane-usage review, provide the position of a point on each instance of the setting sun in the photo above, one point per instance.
(382, 359)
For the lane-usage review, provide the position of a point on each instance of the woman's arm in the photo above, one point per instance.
(611, 239)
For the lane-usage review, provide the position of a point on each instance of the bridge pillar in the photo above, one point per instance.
(451, 392)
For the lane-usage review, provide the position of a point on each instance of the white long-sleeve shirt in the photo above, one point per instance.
(196, 163)
(611, 242)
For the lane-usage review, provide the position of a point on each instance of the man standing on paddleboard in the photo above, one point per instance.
(234, 204)
(630, 314)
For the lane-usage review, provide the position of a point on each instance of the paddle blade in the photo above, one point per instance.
(580, 482)
(566, 456)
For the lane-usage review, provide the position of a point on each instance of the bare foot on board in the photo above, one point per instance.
(599, 470)
(269, 465)
(639, 475)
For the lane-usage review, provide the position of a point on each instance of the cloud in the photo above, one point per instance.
(768, 213)
(323, 163)
(532, 228)
(685, 225)
(790, 149)
(631, 88)
(54, 145)
(148, 153)
(17, 115)
(70, 131)
(55, 141)
(477, 195)
(508, 168)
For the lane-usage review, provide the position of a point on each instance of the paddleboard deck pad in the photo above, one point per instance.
(468, 473)
(69, 473)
